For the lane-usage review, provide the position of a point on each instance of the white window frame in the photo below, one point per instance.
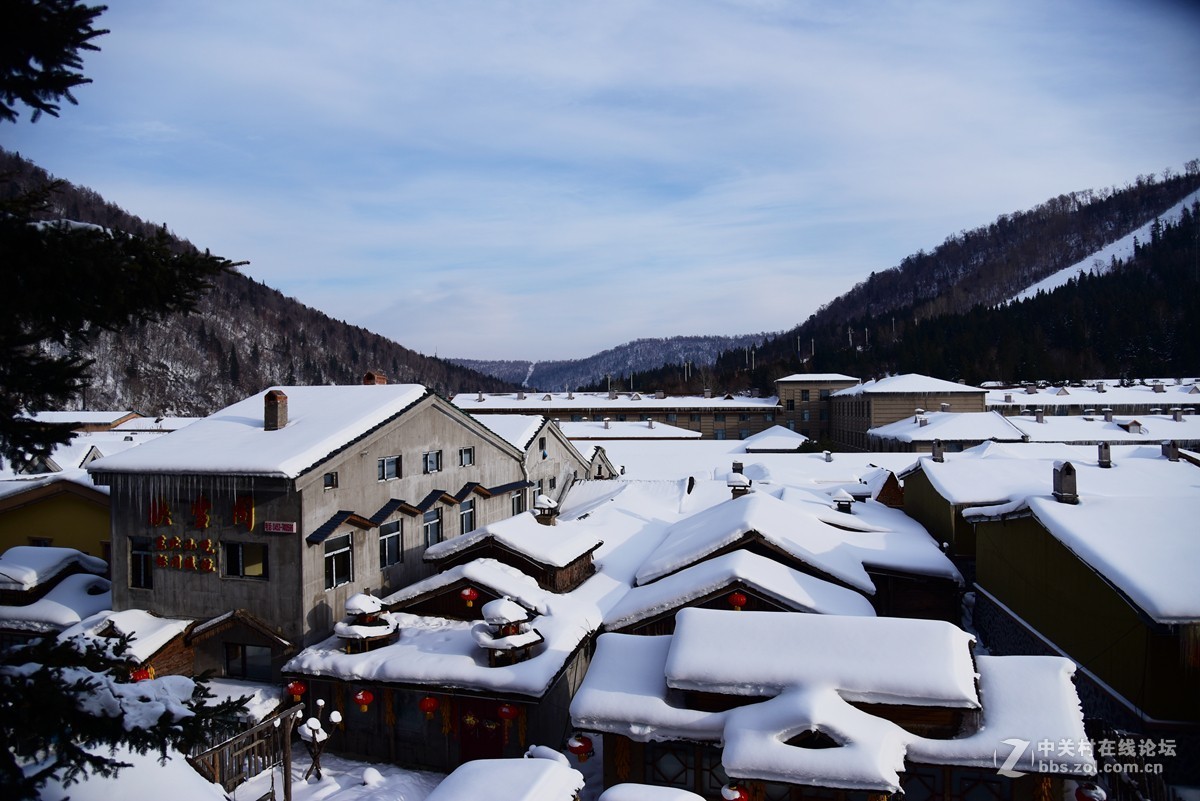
(396, 465)
(431, 462)
(391, 533)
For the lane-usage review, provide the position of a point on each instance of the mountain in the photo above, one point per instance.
(243, 337)
(619, 362)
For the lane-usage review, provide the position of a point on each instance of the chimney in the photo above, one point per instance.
(1177, 414)
(275, 413)
(1170, 449)
(738, 485)
(606, 425)
(480, 396)
(374, 377)
(707, 392)
(1105, 456)
(1008, 397)
(922, 422)
(1108, 416)
(1065, 487)
(660, 395)
(918, 411)
(545, 510)
(939, 455)
(520, 395)
(945, 407)
(1039, 415)
(737, 467)
(612, 394)
(1031, 390)
(843, 502)
(570, 395)
(1100, 387)
(650, 423)
(828, 456)
(1160, 388)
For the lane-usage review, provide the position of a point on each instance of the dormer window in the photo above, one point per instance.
(389, 468)
(331, 480)
(431, 461)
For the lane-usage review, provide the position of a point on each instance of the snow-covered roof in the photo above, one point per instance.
(908, 384)
(811, 669)
(1099, 395)
(321, 421)
(155, 424)
(542, 402)
(775, 438)
(550, 545)
(950, 427)
(1091, 429)
(821, 377)
(146, 779)
(24, 567)
(1146, 546)
(868, 659)
(791, 588)
(147, 633)
(444, 653)
(510, 780)
(73, 599)
(624, 429)
(82, 418)
(517, 430)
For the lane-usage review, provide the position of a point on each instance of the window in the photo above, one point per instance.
(542, 444)
(672, 417)
(743, 433)
(790, 405)
(339, 562)
(391, 543)
(518, 502)
(577, 418)
(806, 415)
(824, 415)
(719, 433)
(719, 417)
(553, 482)
(431, 461)
(769, 417)
(331, 480)
(466, 516)
(389, 468)
(245, 560)
(824, 394)
(804, 396)
(431, 525)
(251, 662)
(621, 418)
(466, 457)
(695, 418)
(141, 561)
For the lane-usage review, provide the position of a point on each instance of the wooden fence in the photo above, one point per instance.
(251, 752)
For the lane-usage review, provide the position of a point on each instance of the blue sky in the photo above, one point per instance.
(539, 180)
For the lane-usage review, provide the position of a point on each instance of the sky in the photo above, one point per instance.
(543, 180)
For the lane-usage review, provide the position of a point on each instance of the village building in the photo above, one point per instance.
(288, 503)
(1093, 397)
(807, 402)
(1096, 563)
(866, 406)
(714, 415)
(57, 509)
(795, 706)
(552, 462)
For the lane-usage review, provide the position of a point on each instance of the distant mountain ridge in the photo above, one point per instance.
(618, 362)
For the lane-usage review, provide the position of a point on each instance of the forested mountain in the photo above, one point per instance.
(699, 352)
(244, 337)
(924, 315)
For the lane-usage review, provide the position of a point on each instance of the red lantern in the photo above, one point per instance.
(364, 698)
(507, 712)
(296, 689)
(429, 705)
(737, 600)
(581, 746)
(469, 594)
(735, 792)
(141, 674)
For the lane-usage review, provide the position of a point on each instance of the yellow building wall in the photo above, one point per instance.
(65, 519)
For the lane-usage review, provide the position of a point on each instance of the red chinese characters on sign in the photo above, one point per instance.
(243, 511)
(202, 512)
(160, 512)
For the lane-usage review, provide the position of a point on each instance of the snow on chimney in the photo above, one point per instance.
(1159, 388)
(945, 407)
(828, 456)
(612, 394)
(275, 410)
(1108, 415)
(606, 425)
(1177, 414)
(479, 397)
(738, 484)
(939, 454)
(374, 377)
(1039, 415)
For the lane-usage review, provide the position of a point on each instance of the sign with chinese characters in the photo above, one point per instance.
(277, 527)
(243, 512)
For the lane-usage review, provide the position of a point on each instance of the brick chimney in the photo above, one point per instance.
(1066, 488)
(275, 410)
(374, 377)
